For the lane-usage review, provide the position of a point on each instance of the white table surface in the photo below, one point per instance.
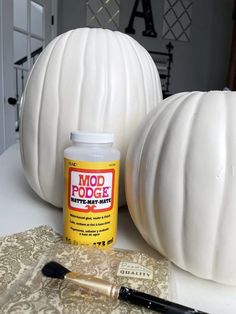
(22, 209)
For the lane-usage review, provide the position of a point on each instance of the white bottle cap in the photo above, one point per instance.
(89, 137)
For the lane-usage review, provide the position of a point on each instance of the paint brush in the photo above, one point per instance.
(103, 287)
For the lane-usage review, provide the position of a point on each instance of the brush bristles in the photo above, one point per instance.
(54, 270)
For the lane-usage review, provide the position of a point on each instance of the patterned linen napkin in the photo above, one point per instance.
(23, 289)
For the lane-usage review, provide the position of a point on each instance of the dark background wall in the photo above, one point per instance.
(200, 64)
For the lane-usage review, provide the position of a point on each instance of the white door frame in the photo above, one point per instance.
(7, 112)
(2, 112)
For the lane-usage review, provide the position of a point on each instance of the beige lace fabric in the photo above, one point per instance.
(23, 289)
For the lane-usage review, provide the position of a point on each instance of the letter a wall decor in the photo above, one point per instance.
(146, 14)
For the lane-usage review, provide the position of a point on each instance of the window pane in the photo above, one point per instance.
(36, 46)
(37, 19)
(20, 13)
(20, 48)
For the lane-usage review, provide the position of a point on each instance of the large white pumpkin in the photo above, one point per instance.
(181, 182)
(86, 79)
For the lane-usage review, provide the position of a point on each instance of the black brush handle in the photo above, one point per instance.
(154, 303)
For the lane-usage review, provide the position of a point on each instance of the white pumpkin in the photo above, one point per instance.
(181, 182)
(87, 79)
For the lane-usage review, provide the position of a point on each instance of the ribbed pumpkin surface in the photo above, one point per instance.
(87, 79)
(181, 182)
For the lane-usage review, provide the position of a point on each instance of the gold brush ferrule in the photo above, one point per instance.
(94, 284)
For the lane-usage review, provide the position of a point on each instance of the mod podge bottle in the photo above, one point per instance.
(91, 177)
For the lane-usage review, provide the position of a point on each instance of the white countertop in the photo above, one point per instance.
(22, 209)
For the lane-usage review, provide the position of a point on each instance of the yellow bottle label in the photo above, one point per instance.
(90, 202)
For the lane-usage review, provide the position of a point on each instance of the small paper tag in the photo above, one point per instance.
(134, 270)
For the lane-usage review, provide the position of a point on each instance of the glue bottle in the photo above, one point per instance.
(91, 178)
